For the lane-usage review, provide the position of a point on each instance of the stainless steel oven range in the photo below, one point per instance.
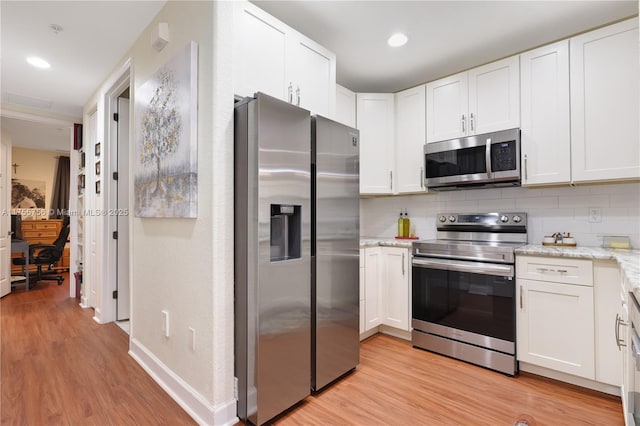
(463, 288)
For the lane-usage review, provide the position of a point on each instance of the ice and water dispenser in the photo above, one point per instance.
(286, 232)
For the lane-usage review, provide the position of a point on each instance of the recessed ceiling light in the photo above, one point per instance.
(397, 40)
(38, 62)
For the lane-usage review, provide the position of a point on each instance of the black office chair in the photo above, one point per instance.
(46, 255)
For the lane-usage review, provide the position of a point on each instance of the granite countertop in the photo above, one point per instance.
(385, 242)
(628, 259)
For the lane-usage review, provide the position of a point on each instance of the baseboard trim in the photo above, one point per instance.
(180, 391)
(569, 378)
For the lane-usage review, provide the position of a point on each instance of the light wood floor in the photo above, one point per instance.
(396, 384)
(59, 367)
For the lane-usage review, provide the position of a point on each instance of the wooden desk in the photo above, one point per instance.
(22, 246)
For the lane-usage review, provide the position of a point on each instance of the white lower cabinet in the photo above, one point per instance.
(372, 287)
(396, 287)
(608, 311)
(555, 315)
(555, 326)
(385, 278)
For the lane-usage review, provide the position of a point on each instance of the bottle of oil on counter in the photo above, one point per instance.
(406, 225)
(400, 225)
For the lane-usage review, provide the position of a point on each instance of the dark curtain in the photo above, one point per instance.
(61, 184)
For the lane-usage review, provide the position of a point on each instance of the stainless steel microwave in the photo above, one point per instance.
(491, 159)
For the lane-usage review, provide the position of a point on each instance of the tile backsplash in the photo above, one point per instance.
(550, 210)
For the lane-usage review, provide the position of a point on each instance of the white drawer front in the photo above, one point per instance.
(552, 269)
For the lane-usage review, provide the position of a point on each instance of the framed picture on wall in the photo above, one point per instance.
(82, 160)
(81, 181)
(97, 152)
(98, 168)
(97, 187)
(165, 164)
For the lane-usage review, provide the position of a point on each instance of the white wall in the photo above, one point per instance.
(185, 266)
(550, 210)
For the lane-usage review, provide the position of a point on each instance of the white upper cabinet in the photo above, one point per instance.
(273, 58)
(604, 103)
(345, 106)
(375, 120)
(545, 128)
(410, 140)
(481, 100)
(260, 52)
(494, 96)
(447, 105)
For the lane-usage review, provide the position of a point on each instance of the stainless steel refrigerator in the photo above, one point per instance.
(272, 256)
(291, 337)
(335, 250)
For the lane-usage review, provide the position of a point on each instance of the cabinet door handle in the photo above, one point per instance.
(391, 180)
(471, 122)
(402, 263)
(562, 271)
(526, 175)
(421, 177)
(298, 96)
(464, 128)
(521, 304)
(542, 269)
(290, 93)
(619, 341)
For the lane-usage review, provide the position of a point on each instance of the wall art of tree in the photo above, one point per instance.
(161, 126)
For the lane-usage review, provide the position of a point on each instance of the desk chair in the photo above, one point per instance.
(46, 254)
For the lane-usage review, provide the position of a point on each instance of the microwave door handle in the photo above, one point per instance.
(488, 157)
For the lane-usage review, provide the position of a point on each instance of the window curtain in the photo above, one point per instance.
(61, 184)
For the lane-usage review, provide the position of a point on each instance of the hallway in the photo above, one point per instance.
(58, 366)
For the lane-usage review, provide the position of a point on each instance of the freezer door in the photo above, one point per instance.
(336, 230)
(283, 287)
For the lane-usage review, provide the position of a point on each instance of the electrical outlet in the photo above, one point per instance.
(235, 387)
(192, 335)
(165, 323)
(595, 215)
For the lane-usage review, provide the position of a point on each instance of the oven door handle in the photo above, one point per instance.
(461, 266)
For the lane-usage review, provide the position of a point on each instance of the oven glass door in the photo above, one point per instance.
(469, 296)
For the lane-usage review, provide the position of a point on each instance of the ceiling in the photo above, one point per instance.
(445, 37)
(37, 135)
(95, 35)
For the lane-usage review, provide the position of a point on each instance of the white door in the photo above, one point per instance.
(375, 117)
(447, 106)
(122, 206)
(372, 288)
(312, 73)
(259, 57)
(396, 287)
(410, 140)
(604, 103)
(545, 130)
(90, 274)
(555, 326)
(494, 96)
(5, 224)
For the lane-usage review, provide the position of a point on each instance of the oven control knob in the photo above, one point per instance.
(443, 219)
(452, 218)
(504, 219)
(517, 219)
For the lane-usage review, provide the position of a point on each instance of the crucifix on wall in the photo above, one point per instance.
(15, 167)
